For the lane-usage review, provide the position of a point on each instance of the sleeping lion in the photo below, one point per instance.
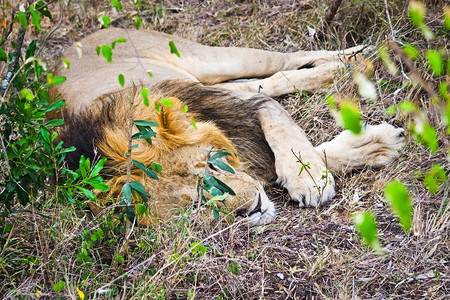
(237, 115)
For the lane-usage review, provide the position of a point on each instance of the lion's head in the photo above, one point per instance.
(181, 150)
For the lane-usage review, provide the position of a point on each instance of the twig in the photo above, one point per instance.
(389, 20)
(305, 167)
(329, 18)
(15, 59)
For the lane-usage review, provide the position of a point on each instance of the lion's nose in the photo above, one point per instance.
(243, 212)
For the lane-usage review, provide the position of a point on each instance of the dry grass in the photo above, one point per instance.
(305, 253)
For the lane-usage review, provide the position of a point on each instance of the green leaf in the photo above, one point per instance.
(350, 116)
(173, 48)
(234, 268)
(60, 286)
(98, 167)
(411, 51)
(215, 182)
(56, 105)
(120, 259)
(66, 63)
(97, 183)
(121, 80)
(87, 193)
(105, 20)
(157, 167)
(22, 19)
(142, 209)
(331, 102)
(107, 52)
(416, 13)
(59, 80)
(3, 56)
(143, 168)
(43, 10)
(144, 93)
(221, 165)
(150, 74)
(35, 18)
(54, 123)
(436, 63)
(367, 227)
(138, 187)
(31, 50)
(407, 106)
(166, 102)
(130, 213)
(198, 248)
(117, 5)
(121, 40)
(98, 49)
(157, 106)
(144, 135)
(397, 196)
(434, 177)
(429, 135)
(126, 192)
(194, 124)
(185, 109)
(145, 123)
(138, 22)
(447, 17)
(26, 94)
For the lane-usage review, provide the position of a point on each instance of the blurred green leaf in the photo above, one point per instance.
(350, 116)
(60, 286)
(66, 63)
(173, 48)
(139, 22)
(447, 17)
(107, 52)
(435, 60)
(429, 135)
(121, 80)
(141, 210)
(411, 51)
(144, 93)
(434, 177)
(3, 56)
(22, 19)
(35, 18)
(416, 13)
(398, 198)
(367, 227)
(157, 167)
(117, 5)
(166, 102)
(105, 21)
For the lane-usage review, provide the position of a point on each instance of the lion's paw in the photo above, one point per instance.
(312, 186)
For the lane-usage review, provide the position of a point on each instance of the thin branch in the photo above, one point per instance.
(329, 18)
(15, 59)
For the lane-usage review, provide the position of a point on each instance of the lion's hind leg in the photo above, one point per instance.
(376, 146)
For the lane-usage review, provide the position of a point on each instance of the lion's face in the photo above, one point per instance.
(176, 189)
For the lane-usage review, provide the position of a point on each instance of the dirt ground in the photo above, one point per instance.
(305, 253)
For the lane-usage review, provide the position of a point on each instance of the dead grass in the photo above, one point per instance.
(305, 253)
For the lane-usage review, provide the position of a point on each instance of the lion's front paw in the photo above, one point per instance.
(308, 183)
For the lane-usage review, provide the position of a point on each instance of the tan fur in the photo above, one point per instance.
(264, 141)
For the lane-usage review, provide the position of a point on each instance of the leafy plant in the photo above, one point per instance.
(420, 127)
